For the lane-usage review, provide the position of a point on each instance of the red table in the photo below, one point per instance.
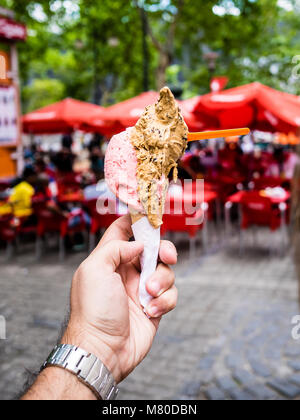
(238, 197)
(187, 198)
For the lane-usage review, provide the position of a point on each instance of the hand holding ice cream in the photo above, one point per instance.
(137, 166)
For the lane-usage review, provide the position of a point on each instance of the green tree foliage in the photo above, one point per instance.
(42, 92)
(94, 49)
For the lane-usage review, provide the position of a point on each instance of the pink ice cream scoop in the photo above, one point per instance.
(121, 169)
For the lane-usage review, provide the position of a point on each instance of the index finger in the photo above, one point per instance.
(120, 230)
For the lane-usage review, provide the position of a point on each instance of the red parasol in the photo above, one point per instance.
(61, 117)
(255, 105)
(126, 114)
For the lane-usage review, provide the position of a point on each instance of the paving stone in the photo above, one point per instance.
(260, 368)
(294, 364)
(244, 377)
(293, 351)
(226, 383)
(295, 379)
(257, 341)
(191, 389)
(241, 395)
(284, 387)
(234, 362)
(215, 351)
(206, 363)
(261, 392)
(251, 328)
(215, 393)
(206, 376)
(237, 345)
(272, 353)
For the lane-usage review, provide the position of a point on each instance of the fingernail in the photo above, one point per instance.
(153, 311)
(173, 249)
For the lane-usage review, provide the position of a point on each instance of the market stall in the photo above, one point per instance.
(10, 124)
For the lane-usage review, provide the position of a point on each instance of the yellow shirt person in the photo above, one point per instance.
(21, 199)
(5, 208)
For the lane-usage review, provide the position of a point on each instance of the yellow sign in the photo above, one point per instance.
(4, 68)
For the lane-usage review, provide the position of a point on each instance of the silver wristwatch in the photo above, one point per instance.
(87, 367)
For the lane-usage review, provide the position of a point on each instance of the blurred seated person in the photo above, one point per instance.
(190, 167)
(64, 159)
(5, 207)
(43, 169)
(257, 166)
(209, 157)
(101, 190)
(96, 155)
(230, 157)
(67, 142)
(182, 173)
(44, 198)
(21, 196)
(74, 214)
(275, 163)
(290, 162)
(282, 164)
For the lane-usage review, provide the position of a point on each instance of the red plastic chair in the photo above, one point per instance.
(258, 211)
(68, 183)
(226, 184)
(179, 223)
(48, 222)
(8, 233)
(100, 221)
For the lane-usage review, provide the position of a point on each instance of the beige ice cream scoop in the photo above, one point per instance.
(160, 140)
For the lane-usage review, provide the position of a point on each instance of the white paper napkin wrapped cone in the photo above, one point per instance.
(144, 232)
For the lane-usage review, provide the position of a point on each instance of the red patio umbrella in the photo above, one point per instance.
(255, 105)
(195, 122)
(61, 117)
(126, 114)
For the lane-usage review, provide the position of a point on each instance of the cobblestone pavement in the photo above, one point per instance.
(229, 338)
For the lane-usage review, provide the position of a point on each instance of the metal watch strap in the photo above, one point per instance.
(87, 367)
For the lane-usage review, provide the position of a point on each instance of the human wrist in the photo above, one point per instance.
(55, 383)
(96, 346)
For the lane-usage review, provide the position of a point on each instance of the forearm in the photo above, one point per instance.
(58, 384)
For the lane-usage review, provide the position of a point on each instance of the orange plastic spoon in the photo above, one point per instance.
(205, 135)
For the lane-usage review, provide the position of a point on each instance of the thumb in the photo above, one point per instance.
(118, 252)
